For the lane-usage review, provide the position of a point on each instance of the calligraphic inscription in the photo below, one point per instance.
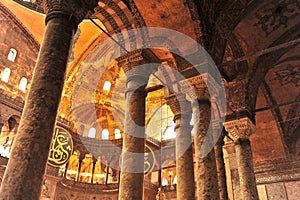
(61, 147)
(149, 161)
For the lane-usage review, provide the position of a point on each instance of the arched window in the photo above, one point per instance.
(105, 134)
(23, 84)
(5, 75)
(117, 133)
(107, 86)
(92, 133)
(12, 55)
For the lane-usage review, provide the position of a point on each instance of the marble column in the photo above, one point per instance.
(206, 172)
(218, 148)
(240, 130)
(132, 165)
(181, 108)
(24, 173)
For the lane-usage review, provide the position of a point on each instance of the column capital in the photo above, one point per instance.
(197, 88)
(74, 11)
(179, 105)
(133, 63)
(239, 128)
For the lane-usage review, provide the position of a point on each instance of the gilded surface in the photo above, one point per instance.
(61, 147)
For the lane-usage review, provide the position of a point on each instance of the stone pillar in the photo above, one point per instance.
(232, 175)
(181, 108)
(221, 168)
(206, 172)
(240, 130)
(24, 173)
(132, 165)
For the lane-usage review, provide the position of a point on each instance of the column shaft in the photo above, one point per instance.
(245, 169)
(26, 167)
(221, 170)
(184, 160)
(206, 173)
(132, 167)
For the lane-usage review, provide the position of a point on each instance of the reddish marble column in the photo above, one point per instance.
(245, 169)
(181, 108)
(205, 171)
(132, 165)
(240, 130)
(221, 169)
(26, 167)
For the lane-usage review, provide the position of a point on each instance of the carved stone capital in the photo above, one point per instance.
(239, 128)
(201, 87)
(74, 11)
(134, 63)
(179, 105)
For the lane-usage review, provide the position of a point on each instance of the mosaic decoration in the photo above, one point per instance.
(277, 14)
(291, 74)
(61, 147)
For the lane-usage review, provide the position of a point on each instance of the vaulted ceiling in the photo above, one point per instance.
(253, 42)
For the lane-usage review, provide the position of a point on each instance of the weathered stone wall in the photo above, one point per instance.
(14, 35)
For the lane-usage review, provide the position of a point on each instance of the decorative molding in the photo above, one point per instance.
(277, 171)
(14, 103)
(130, 60)
(288, 176)
(239, 128)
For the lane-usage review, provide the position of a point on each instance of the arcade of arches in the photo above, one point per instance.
(133, 99)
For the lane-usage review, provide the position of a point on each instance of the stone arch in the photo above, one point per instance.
(295, 146)
(10, 16)
(292, 128)
(265, 62)
(117, 16)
